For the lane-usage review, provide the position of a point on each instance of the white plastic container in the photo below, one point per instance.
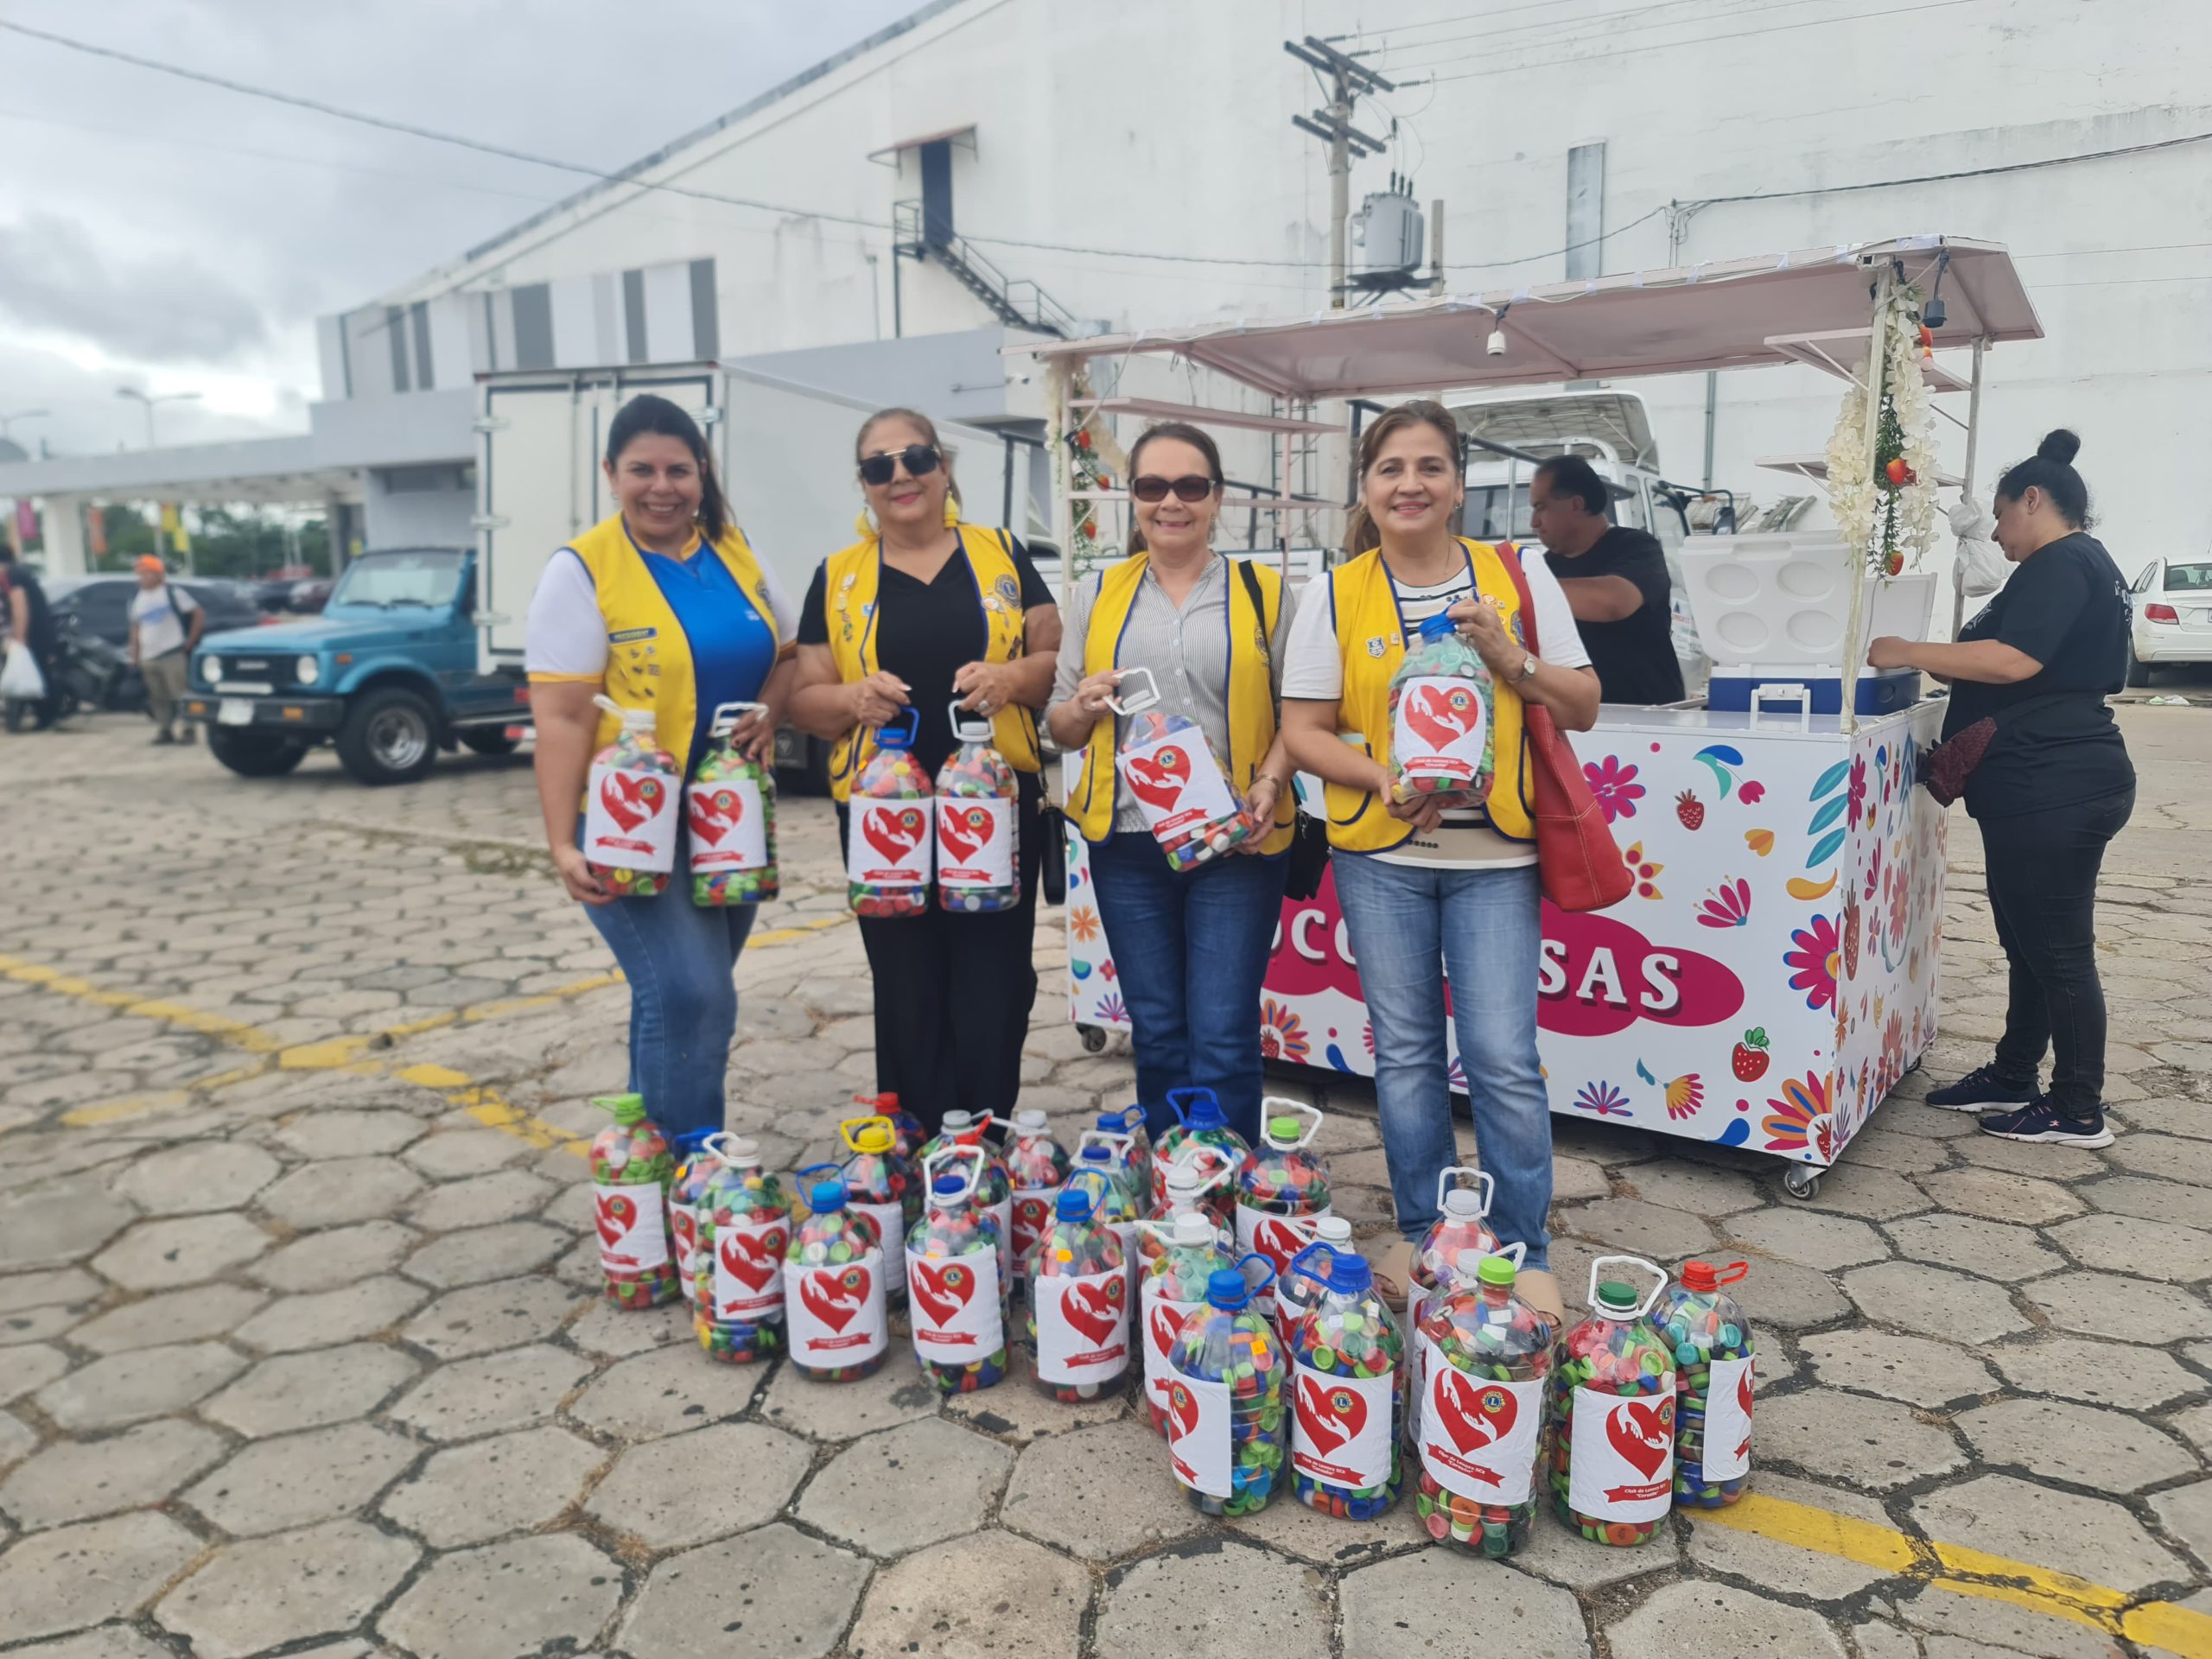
(1785, 600)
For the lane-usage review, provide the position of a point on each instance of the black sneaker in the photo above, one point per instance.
(2043, 1121)
(1983, 1090)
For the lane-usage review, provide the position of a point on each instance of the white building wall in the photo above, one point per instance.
(1158, 126)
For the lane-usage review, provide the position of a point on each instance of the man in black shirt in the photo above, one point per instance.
(1615, 579)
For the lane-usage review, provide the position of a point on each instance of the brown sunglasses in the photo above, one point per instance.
(1191, 488)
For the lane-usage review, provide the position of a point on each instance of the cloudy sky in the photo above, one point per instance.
(174, 237)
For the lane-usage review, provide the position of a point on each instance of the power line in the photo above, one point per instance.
(1562, 28)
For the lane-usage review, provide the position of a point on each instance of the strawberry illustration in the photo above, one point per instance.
(1689, 810)
(1751, 1058)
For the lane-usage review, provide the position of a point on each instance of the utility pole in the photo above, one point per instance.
(1348, 80)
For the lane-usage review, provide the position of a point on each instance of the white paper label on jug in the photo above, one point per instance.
(730, 828)
(1276, 1237)
(954, 1302)
(834, 1312)
(683, 1231)
(1440, 728)
(630, 818)
(1176, 784)
(1083, 1326)
(1341, 1428)
(1728, 1421)
(633, 1226)
(1199, 1434)
(1622, 1456)
(749, 1268)
(888, 844)
(1162, 1321)
(1033, 1213)
(1478, 1437)
(974, 841)
(890, 1221)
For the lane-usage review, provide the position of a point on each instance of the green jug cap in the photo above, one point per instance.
(626, 1108)
(1283, 1129)
(1615, 1297)
(1498, 1270)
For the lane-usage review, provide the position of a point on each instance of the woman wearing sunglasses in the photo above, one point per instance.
(923, 612)
(1190, 948)
(1425, 891)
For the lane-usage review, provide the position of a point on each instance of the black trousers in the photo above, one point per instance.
(2043, 890)
(953, 995)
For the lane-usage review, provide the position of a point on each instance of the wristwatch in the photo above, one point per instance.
(1529, 666)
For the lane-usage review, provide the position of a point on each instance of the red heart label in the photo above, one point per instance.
(617, 1216)
(1182, 1409)
(1329, 1415)
(1094, 1309)
(751, 1258)
(684, 1221)
(1473, 1415)
(894, 832)
(1158, 781)
(1642, 1431)
(1279, 1239)
(1441, 716)
(965, 830)
(942, 1289)
(1165, 1322)
(630, 800)
(1030, 1215)
(1744, 1390)
(714, 813)
(834, 1297)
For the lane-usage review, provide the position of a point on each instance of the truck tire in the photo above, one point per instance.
(488, 740)
(390, 737)
(255, 754)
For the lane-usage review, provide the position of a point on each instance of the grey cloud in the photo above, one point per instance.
(55, 277)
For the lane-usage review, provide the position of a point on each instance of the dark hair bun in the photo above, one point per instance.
(2061, 446)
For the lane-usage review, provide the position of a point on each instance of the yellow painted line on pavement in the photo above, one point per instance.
(1968, 1572)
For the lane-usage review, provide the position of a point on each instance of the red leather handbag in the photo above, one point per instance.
(1577, 860)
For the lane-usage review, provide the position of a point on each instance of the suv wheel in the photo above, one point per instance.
(388, 737)
(255, 754)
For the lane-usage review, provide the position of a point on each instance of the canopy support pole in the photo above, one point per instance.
(1973, 444)
(1878, 346)
(1057, 375)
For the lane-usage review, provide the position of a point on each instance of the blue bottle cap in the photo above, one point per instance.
(827, 1196)
(1095, 1153)
(1437, 626)
(1225, 1288)
(1197, 1108)
(948, 1186)
(1072, 1205)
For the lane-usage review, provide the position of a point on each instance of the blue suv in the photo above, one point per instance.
(387, 672)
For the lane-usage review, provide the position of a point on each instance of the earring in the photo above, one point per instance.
(951, 512)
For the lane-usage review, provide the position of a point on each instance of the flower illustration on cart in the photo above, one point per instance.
(1614, 787)
(1282, 1033)
(1603, 1099)
(1815, 956)
(1644, 870)
(1858, 784)
(1083, 923)
(1800, 1119)
(1684, 1096)
(1727, 906)
(1111, 1011)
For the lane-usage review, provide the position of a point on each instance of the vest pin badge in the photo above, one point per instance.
(1375, 646)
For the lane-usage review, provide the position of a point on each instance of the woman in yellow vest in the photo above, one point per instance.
(1190, 948)
(1424, 892)
(923, 612)
(662, 606)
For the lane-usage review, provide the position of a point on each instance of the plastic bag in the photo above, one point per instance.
(1982, 568)
(19, 680)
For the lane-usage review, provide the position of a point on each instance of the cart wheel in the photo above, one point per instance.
(1094, 1039)
(1801, 1182)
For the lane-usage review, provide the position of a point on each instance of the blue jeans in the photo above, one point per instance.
(1191, 950)
(1484, 928)
(679, 959)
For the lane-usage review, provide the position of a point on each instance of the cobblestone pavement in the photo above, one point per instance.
(299, 1350)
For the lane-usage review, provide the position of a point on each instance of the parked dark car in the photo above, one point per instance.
(309, 597)
(100, 606)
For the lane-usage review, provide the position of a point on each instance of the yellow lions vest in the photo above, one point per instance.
(850, 583)
(648, 654)
(1370, 636)
(1251, 690)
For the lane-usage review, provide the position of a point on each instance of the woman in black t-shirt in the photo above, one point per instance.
(925, 611)
(2054, 785)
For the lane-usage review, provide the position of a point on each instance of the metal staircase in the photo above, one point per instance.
(1017, 303)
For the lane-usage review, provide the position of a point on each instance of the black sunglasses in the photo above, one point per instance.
(1189, 487)
(918, 459)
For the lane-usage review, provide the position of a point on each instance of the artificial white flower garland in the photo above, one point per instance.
(1856, 494)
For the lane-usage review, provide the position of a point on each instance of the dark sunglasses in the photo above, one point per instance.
(919, 458)
(1190, 487)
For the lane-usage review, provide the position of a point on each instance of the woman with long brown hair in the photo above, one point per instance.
(925, 611)
(1190, 946)
(1427, 891)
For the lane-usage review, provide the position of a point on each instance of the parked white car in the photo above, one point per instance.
(2171, 616)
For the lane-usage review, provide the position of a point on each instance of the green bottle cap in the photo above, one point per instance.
(1498, 1270)
(625, 1108)
(1616, 1297)
(1283, 1129)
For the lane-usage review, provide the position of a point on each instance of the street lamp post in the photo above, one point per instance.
(7, 421)
(150, 399)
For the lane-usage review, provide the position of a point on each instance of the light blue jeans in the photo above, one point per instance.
(1412, 926)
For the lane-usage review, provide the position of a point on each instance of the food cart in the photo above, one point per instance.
(1772, 972)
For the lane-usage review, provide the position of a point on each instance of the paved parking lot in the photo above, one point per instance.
(299, 1350)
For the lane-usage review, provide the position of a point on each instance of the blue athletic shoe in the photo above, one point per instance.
(2043, 1121)
(1983, 1090)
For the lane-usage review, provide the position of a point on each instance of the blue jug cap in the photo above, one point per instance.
(827, 1196)
(1225, 1288)
(1072, 1205)
(900, 731)
(1095, 1153)
(948, 1186)
(1197, 1108)
(1123, 1122)
(1437, 626)
(1347, 1273)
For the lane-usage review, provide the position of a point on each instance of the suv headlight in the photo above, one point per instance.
(308, 670)
(210, 669)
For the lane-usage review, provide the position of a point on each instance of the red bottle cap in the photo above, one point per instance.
(1704, 1276)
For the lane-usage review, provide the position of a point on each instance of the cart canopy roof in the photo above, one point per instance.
(1692, 318)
